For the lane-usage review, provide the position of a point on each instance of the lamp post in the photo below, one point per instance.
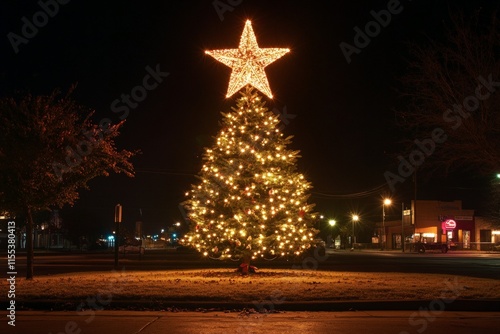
(355, 218)
(387, 201)
(332, 223)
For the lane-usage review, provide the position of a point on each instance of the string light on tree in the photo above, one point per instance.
(250, 198)
(248, 62)
(250, 202)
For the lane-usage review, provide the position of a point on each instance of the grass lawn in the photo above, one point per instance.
(267, 284)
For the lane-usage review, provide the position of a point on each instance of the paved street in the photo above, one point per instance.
(373, 322)
(472, 264)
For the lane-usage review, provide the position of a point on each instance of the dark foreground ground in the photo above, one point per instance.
(373, 322)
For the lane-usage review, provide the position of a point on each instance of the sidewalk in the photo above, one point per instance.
(373, 322)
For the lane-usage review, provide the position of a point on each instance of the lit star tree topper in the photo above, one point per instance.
(251, 201)
(248, 62)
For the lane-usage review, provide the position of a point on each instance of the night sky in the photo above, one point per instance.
(345, 113)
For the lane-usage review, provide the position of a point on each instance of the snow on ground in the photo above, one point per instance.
(267, 284)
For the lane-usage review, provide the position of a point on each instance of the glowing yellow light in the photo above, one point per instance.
(248, 62)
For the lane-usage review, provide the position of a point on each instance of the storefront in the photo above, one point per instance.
(434, 222)
(487, 234)
(458, 231)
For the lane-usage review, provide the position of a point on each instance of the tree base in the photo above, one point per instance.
(245, 268)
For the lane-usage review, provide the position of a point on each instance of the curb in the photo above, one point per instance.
(437, 305)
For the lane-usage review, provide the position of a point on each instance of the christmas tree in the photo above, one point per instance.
(251, 202)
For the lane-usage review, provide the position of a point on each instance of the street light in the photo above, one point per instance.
(332, 223)
(355, 218)
(387, 201)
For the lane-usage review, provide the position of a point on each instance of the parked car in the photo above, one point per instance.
(318, 248)
(98, 245)
(421, 247)
(131, 246)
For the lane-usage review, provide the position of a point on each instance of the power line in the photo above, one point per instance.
(361, 194)
(163, 171)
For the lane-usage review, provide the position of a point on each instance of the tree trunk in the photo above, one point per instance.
(29, 244)
(245, 267)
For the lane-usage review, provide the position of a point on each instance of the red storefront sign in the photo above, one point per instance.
(449, 224)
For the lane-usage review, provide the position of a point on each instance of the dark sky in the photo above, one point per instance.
(345, 113)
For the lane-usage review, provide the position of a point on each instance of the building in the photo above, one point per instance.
(487, 234)
(50, 233)
(438, 221)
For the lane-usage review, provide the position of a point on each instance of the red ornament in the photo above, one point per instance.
(302, 213)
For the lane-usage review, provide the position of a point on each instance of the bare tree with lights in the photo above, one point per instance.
(251, 202)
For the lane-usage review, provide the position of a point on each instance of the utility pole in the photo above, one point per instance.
(118, 220)
(414, 211)
(402, 227)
